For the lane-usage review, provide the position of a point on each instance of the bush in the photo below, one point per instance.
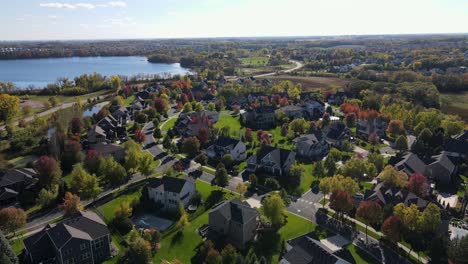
(123, 225)
(272, 184)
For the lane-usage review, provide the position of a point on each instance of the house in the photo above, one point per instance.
(314, 109)
(189, 124)
(457, 146)
(113, 150)
(438, 168)
(365, 128)
(307, 250)
(384, 196)
(83, 238)
(292, 111)
(337, 99)
(15, 181)
(262, 117)
(171, 191)
(313, 146)
(226, 145)
(107, 129)
(234, 219)
(276, 161)
(123, 115)
(336, 133)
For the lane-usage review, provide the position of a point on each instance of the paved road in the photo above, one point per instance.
(297, 67)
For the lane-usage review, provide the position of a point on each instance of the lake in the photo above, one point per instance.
(94, 109)
(40, 72)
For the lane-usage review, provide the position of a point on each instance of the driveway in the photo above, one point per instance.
(307, 205)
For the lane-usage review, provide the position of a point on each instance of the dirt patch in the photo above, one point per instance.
(309, 83)
(32, 104)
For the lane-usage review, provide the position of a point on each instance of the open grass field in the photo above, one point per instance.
(63, 98)
(169, 124)
(359, 256)
(310, 83)
(255, 61)
(108, 209)
(455, 104)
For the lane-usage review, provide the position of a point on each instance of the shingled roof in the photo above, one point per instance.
(279, 155)
(236, 210)
(306, 250)
(169, 184)
(14, 176)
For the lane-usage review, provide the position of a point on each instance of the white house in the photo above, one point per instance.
(171, 191)
(226, 145)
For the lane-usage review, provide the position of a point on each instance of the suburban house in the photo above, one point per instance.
(457, 146)
(262, 117)
(314, 109)
(337, 99)
(107, 149)
(189, 124)
(107, 129)
(438, 168)
(276, 161)
(365, 128)
(307, 250)
(171, 191)
(123, 115)
(292, 111)
(15, 181)
(83, 238)
(313, 146)
(384, 195)
(234, 219)
(226, 145)
(336, 133)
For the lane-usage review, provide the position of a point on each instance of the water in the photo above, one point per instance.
(40, 72)
(94, 109)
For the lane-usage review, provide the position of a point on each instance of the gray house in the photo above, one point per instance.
(15, 181)
(272, 160)
(313, 146)
(262, 117)
(292, 111)
(365, 128)
(83, 238)
(438, 168)
(171, 191)
(227, 145)
(234, 219)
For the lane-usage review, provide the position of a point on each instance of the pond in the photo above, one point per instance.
(148, 221)
(94, 109)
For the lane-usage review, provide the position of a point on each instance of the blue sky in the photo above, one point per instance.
(104, 19)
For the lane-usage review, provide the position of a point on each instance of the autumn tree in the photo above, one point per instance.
(140, 251)
(240, 188)
(85, 184)
(191, 146)
(161, 105)
(71, 204)
(395, 128)
(248, 135)
(9, 107)
(357, 168)
(11, 219)
(274, 210)
(370, 213)
(183, 219)
(401, 144)
(203, 135)
(91, 161)
(341, 202)
(76, 125)
(391, 227)
(140, 136)
(71, 154)
(393, 178)
(338, 182)
(124, 211)
(418, 184)
(350, 119)
(48, 171)
(409, 215)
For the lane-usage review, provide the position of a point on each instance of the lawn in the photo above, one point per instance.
(108, 209)
(359, 255)
(307, 178)
(169, 124)
(17, 245)
(129, 100)
(63, 98)
(255, 61)
(455, 104)
(226, 119)
(22, 161)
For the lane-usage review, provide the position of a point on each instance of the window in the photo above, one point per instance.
(99, 243)
(83, 246)
(67, 251)
(69, 261)
(85, 256)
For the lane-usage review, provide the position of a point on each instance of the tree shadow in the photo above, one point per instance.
(177, 238)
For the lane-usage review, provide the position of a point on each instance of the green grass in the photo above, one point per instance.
(22, 161)
(307, 178)
(455, 104)
(366, 186)
(63, 98)
(205, 190)
(108, 209)
(255, 61)
(17, 245)
(359, 255)
(225, 119)
(169, 124)
(129, 100)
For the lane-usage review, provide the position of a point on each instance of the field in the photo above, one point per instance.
(455, 104)
(255, 61)
(309, 83)
(108, 209)
(62, 98)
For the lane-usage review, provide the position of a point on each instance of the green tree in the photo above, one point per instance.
(146, 165)
(393, 178)
(319, 169)
(140, 251)
(9, 107)
(221, 177)
(430, 218)
(408, 215)
(274, 210)
(359, 169)
(85, 184)
(338, 182)
(7, 255)
(229, 254)
(187, 108)
(112, 171)
(401, 144)
(376, 159)
(11, 219)
(458, 250)
(191, 146)
(46, 197)
(183, 219)
(452, 126)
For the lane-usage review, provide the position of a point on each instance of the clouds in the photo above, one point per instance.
(58, 5)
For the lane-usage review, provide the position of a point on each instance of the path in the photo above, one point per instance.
(297, 67)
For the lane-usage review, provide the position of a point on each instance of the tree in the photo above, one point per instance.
(123, 211)
(71, 155)
(319, 169)
(112, 171)
(91, 161)
(46, 197)
(452, 126)
(187, 108)
(9, 107)
(7, 255)
(326, 119)
(370, 213)
(140, 251)
(274, 210)
(341, 202)
(11, 219)
(401, 143)
(408, 215)
(376, 159)
(393, 178)
(85, 184)
(248, 135)
(229, 254)
(295, 173)
(227, 160)
(183, 219)
(140, 136)
(54, 101)
(430, 218)
(395, 127)
(338, 182)
(203, 135)
(213, 257)
(425, 135)
(418, 184)
(146, 164)
(438, 249)
(221, 177)
(161, 105)
(391, 227)
(298, 126)
(373, 139)
(241, 188)
(191, 146)
(330, 165)
(359, 169)
(76, 125)
(48, 171)
(71, 204)
(458, 250)
(253, 179)
(350, 119)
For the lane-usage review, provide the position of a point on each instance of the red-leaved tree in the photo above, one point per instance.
(391, 227)
(341, 202)
(370, 213)
(140, 136)
(418, 184)
(48, 171)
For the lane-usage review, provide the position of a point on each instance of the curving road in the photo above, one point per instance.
(297, 67)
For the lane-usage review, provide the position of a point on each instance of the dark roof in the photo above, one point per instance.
(225, 141)
(457, 146)
(411, 163)
(109, 149)
(463, 136)
(236, 210)
(336, 130)
(7, 194)
(13, 176)
(393, 195)
(306, 250)
(169, 184)
(280, 155)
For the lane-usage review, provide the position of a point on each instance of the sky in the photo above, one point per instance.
(131, 19)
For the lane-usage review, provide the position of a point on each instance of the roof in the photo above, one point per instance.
(107, 149)
(225, 141)
(13, 176)
(236, 210)
(278, 154)
(456, 145)
(169, 184)
(309, 139)
(443, 160)
(7, 193)
(394, 195)
(336, 130)
(411, 163)
(463, 136)
(306, 250)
